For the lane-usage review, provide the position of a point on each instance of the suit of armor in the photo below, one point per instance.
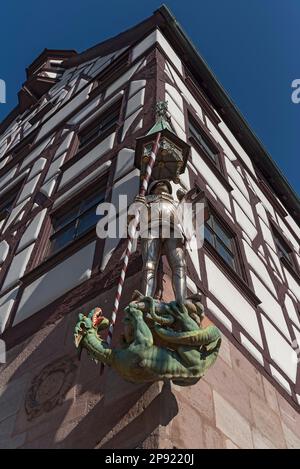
(161, 233)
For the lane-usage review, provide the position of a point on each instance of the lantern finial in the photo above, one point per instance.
(162, 118)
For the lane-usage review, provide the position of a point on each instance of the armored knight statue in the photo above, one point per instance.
(160, 341)
(162, 232)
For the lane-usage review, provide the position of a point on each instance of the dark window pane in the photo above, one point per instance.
(203, 142)
(75, 222)
(88, 137)
(110, 119)
(66, 218)
(208, 235)
(284, 250)
(101, 124)
(86, 221)
(209, 222)
(8, 203)
(224, 237)
(92, 201)
(62, 238)
(221, 240)
(227, 256)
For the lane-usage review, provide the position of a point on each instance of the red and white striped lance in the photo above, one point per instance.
(143, 190)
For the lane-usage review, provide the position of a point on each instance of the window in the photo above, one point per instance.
(221, 240)
(7, 204)
(203, 141)
(100, 126)
(284, 251)
(74, 222)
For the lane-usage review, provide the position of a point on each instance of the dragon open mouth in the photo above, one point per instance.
(97, 317)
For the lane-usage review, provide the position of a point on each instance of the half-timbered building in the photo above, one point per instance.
(70, 145)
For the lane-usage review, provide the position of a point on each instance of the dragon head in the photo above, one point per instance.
(93, 322)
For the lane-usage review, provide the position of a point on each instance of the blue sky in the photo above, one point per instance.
(252, 46)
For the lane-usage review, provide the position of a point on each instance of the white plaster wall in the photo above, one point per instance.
(129, 121)
(292, 284)
(6, 303)
(288, 234)
(217, 136)
(252, 349)
(157, 36)
(280, 379)
(91, 157)
(186, 94)
(54, 168)
(290, 221)
(269, 305)
(8, 177)
(15, 214)
(228, 295)
(125, 162)
(81, 184)
(32, 231)
(291, 310)
(237, 178)
(259, 267)
(48, 188)
(242, 201)
(37, 167)
(123, 79)
(238, 148)
(210, 178)
(244, 221)
(60, 115)
(281, 352)
(135, 102)
(35, 153)
(4, 249)
(64, 146)
(17, 267)
(57, 281)
(28, 189)
(219, 314)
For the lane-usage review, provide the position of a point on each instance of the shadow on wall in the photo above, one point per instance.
(50, 399)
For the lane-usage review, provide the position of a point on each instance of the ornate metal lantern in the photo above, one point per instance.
(172, 155)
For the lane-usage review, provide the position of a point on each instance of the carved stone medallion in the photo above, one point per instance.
(49, 388)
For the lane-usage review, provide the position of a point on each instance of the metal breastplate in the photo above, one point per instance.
(161, 209)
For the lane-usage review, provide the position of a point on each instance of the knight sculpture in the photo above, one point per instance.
(162, 232)
(160, 341)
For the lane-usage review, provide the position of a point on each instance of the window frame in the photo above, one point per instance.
(77, 201)
(97, 125)
(81, 151)
(217, 163)
(289, 262)
(234, 251)
(12, 194)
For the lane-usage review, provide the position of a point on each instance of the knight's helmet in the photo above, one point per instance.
(160, 181)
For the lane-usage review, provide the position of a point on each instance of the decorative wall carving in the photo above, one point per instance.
(49, 388)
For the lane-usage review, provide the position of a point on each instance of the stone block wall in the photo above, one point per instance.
(49, 399)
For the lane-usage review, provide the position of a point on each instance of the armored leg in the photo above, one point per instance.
(151, 249)
(175, 252)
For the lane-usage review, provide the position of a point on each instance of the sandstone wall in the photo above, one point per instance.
(49, 399)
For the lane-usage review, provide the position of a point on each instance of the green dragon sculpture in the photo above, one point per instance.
(161, 341)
